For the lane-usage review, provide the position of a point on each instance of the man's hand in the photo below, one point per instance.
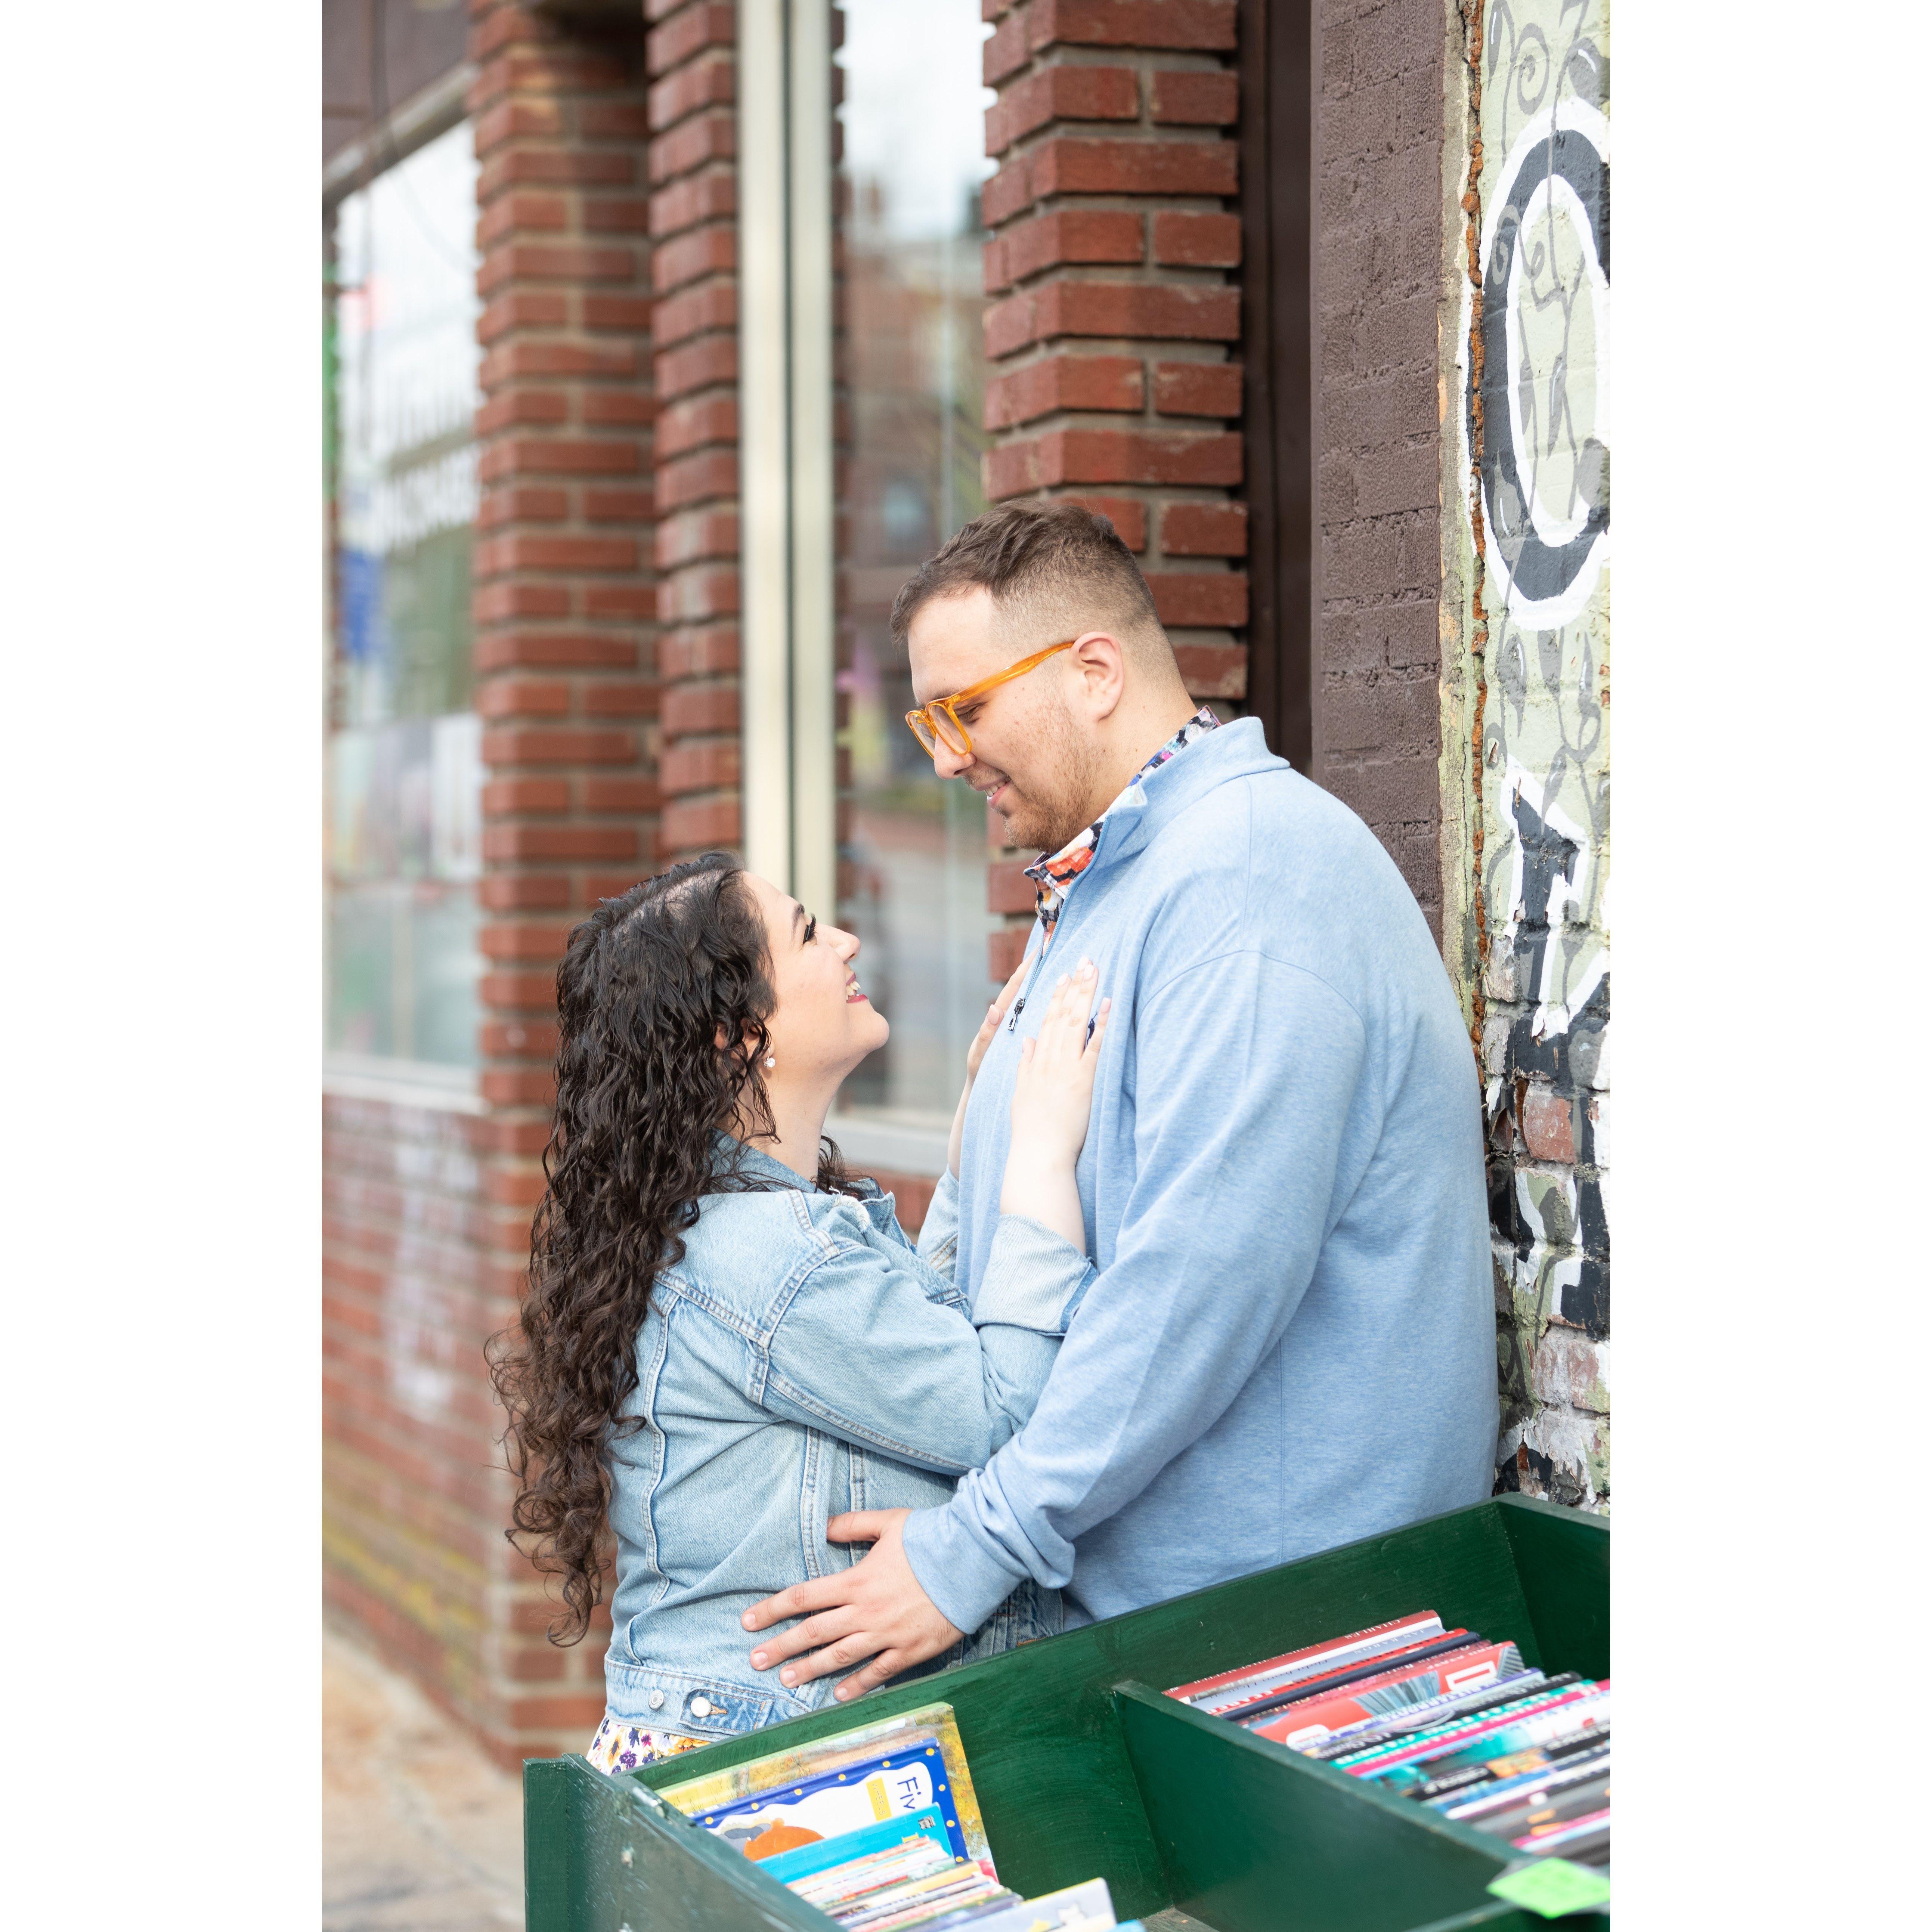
(876, 1609)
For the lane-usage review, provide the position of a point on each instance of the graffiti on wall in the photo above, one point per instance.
(1530, 539)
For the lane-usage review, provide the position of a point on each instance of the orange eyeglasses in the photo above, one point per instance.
(937, 723)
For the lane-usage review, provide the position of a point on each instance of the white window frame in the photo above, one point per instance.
(787, 709)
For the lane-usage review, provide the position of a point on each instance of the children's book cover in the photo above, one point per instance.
(841, 1784)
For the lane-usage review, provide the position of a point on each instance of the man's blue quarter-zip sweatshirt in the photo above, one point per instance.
(1290, 1340)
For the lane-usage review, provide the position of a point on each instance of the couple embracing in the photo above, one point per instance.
(1204, 1288)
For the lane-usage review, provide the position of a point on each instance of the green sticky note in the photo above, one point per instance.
(1553, 1886)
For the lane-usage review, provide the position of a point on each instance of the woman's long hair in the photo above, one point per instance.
(662, 999)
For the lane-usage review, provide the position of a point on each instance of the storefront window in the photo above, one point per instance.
(404, 843)
(912, 850)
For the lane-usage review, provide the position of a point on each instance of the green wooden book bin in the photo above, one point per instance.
(1083, 1768)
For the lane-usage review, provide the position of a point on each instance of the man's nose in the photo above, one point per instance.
(949, 763)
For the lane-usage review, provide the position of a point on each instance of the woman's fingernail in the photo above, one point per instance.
(746, 1620)
(843, 1694)
(788, 1676)
(759, 1659)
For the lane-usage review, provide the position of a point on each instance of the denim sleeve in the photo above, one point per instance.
(879, 1352)
(1246, 1071)
(939, 1232)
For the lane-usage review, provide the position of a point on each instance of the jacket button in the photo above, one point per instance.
(700, 1707)
(657, 1700)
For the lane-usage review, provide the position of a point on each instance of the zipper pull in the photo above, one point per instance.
(1013, 1018)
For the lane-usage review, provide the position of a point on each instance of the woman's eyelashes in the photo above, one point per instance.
(811, 931)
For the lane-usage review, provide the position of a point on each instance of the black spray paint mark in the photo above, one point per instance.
(1537, 570)
(1568, 1060)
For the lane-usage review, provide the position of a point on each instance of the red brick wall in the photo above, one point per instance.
(694, 199)
(1378, 162)
(1112, 312)
(412, 1512)
(1113, 315)
(430, 1210)
(565, 597)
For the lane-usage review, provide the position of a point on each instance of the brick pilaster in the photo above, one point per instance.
(694, 199)
(1112, 313)
(566, 674)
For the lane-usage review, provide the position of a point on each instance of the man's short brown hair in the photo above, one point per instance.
(1050, 567)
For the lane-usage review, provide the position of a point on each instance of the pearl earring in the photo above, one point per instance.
(770, 1060)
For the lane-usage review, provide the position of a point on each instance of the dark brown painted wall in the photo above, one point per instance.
(1378, 148)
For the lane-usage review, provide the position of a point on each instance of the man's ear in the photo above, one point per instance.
(1099, 661)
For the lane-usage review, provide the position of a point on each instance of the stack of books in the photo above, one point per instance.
(879, 1829)
(1444, 1718)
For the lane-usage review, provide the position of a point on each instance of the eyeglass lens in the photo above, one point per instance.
(937, 725)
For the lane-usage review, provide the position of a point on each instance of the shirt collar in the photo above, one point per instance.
(1053, 875)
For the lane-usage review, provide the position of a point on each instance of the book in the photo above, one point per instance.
(1442, 1717)
(898, 1871)
(889, 1834)
(878, 1828)
(1315, 1717)
(1495, 1744)
(1088, 1907)
(1473, 1725)
(1232, 1689)
(1351, 1738)
(834, 1785)
(1254, 1711)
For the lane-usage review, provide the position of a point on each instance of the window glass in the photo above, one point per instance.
(912, 850)
(404, 844)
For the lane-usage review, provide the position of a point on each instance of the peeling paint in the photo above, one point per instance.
(1527, 551)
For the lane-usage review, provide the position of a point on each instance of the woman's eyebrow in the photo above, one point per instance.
(797, 915)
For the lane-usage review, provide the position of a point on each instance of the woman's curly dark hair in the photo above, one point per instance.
(662, 1000)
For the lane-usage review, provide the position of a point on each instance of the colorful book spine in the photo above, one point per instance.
(1312, 1719)
(1218, 1695)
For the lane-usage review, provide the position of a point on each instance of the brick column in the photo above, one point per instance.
(1378, 656)
(694, 180)
(1113, 314)
(1109, 340)
(566, 680)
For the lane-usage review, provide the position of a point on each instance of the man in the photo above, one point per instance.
(1290, 1342)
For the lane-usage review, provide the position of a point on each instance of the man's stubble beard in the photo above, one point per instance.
(1056, 807)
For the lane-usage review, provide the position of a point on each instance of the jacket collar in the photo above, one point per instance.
(1237, 751)
(761, 1166)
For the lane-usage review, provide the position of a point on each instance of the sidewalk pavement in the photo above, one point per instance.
(420, 1831)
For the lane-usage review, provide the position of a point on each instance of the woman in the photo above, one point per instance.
(726, 1340)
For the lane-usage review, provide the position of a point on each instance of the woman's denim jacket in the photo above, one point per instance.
(801, 1359)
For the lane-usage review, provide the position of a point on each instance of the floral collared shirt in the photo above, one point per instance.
(1053, 878)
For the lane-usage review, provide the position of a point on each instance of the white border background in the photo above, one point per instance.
(1769, 647)
(163, 614)
(161, 623)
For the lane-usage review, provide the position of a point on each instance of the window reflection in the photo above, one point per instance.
(404, 770)
(913, 850)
